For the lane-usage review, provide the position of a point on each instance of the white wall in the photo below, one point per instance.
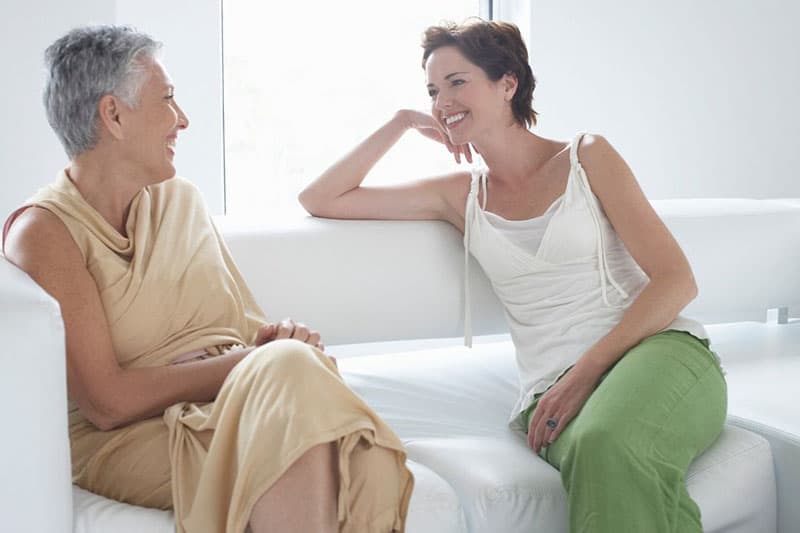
(30, 154)
(700, 97)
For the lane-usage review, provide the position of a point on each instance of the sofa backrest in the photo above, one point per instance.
(361, 281)
(745, 255)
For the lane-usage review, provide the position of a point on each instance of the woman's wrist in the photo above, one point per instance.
(402, 119)
(237, 354)
(592, 365)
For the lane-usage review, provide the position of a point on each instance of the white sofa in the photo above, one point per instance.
(387, 297)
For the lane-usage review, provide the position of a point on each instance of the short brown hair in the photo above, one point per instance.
(497, 48)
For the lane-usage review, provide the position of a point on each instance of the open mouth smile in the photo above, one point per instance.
(453, 120)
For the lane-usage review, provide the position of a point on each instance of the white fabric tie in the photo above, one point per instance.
(469, 215)
(602, 260)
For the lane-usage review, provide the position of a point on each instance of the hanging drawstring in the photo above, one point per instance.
(602, 260)
(469, 215)
(467, 317)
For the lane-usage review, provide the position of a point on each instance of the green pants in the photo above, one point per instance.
(623, 459)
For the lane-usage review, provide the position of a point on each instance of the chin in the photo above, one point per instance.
(459, 139)
(459, 136)
(164, 174)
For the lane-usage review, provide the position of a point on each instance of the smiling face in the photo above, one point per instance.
(150, 129)
(465, 101)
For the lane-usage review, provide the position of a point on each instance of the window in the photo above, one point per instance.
(304, 82)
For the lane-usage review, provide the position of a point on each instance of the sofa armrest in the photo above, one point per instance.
(35, 488)
(786, 454)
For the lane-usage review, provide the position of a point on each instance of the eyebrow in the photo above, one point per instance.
(449, 76)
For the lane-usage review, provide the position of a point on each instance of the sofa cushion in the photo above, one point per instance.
(450, 405)
(434, 507)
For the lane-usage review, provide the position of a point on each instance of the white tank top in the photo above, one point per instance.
(565, 279)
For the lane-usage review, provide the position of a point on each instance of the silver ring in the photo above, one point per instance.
(552, 423)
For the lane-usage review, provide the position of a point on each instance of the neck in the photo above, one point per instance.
(105, 185)
(512, 152)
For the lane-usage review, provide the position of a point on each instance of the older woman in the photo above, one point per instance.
(182, 395)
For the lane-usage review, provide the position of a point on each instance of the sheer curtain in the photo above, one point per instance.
(306, 81)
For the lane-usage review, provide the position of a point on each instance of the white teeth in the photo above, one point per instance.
(454, 118)
(172, 142)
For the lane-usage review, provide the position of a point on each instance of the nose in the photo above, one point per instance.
(443, 101)
(183, 120)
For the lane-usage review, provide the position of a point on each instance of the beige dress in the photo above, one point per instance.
(170, 288)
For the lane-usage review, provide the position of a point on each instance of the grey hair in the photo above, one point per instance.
(83, 66)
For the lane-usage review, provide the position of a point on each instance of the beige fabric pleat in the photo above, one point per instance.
(170, 287)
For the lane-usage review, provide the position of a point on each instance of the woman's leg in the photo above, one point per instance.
(279, 415)
(624, 458)
(221, 465)
(304, 498)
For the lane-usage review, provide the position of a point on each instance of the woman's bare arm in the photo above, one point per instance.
(338, 193)
(671, 286)
(108, 395)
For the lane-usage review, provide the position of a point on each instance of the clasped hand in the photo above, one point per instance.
(289, 329)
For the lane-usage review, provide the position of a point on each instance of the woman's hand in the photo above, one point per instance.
(432, 128)
(288, 329)
(560, 404)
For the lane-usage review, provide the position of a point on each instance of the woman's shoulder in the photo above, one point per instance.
(457, 180)
(177, 192)
(38, 217)
(455, 186)
(609, 176)
(593, 149)
(603, 164)
(178, 184)
(34, 235)
(31, 221)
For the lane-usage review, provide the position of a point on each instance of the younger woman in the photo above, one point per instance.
(619, 392)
